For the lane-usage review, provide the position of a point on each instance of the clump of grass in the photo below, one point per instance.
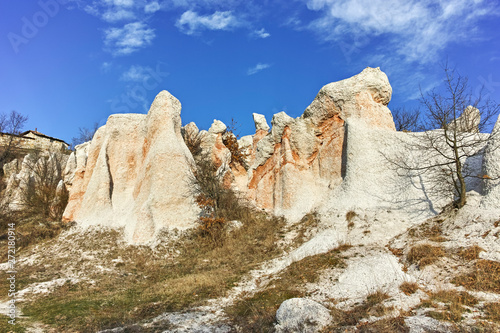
(408, 288)
(395, 251)
(485, 276)
(431, 230)
(349, 216)
(370, 307)
(425, 254)
(308, 222)
(257, 313)
(455, 304)
(438, 239)
(492, 311)
(388, 325)
(470, 253)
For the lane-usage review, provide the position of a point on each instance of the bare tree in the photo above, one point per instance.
(406, 120)
(11, 125)
(41, 193)
(84, 134)
(454, 136)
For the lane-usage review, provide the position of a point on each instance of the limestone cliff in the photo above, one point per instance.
(136, 174)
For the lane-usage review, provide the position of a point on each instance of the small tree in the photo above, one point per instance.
(84, 135)
(40, 194)
(454, 126)
(11, 124)
(406, 120)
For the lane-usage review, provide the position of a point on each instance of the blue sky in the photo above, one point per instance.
(69, 63)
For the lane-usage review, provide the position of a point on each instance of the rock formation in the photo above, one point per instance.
(491, 169)
(293, 167)
(37, 169)
(136, 174)
(468, 121)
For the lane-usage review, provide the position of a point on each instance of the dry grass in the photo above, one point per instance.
(307, 223)
(370, 307)
(408, 288)
(492, 311)
(9, 328)
(455, 304)
(470, 253)
(430, 230)
(257, 313)
(29, 230)
(349, 216)
(485, 276)
(396, 252)
(388, 325)
(425, 254)
(138, 289)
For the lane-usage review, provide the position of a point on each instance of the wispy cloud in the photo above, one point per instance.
(128, 39)
(112, 10)
(152, 7)
(191, 22)
(262, 33)
(106, 66)
(257, 68)
(118, 15)
(134, 35)
(136, 74)
(417, 30)
(124, 3)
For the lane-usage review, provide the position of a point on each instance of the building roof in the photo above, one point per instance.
(43, 136)
(16, 135)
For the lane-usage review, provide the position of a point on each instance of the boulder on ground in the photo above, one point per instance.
(301, 315)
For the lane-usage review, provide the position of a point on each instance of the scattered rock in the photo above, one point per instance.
(301, 315)
(217, 127)
(260, 122)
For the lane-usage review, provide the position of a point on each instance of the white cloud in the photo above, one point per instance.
(118, 15)
(152, 7)
(191, 23)
(123, 3)
(416, 29)
(262, 33)
(105, 67)
(257, 68)
(129, 39)
(136, 74)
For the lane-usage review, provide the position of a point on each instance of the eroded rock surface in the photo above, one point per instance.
(133, 174)
(294, 166)
(136, 174)
(491, 169)
(301, 315)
